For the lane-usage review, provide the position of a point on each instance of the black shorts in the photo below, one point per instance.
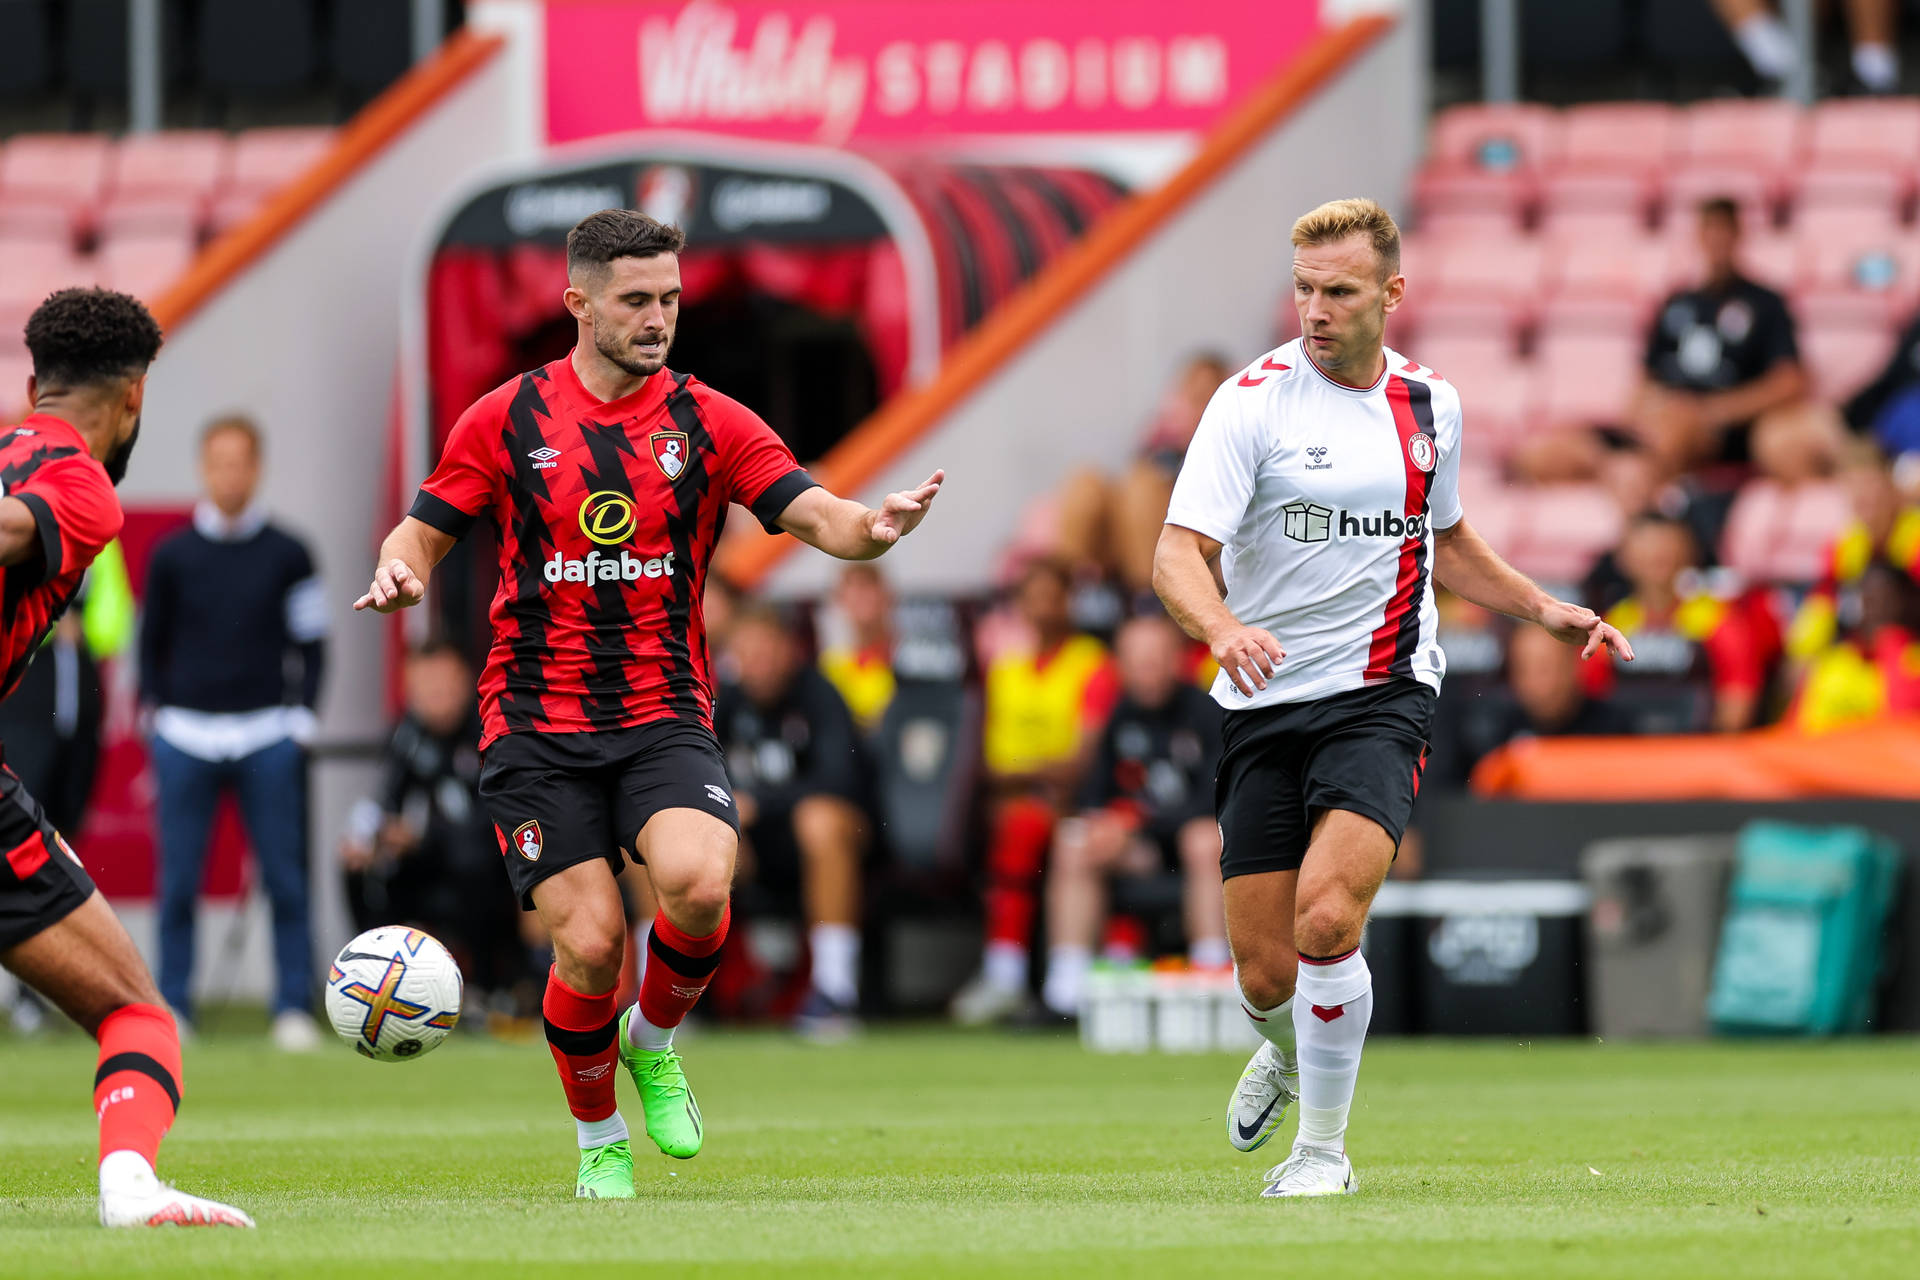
(558, 799)
(1361, 751)
(41, 882)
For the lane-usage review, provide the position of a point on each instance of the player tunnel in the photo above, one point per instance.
(817, 283)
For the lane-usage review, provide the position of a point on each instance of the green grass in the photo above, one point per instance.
(927, 1154)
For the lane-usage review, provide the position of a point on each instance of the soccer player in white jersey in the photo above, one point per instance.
(1317, 504)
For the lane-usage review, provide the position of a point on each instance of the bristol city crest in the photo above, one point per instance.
(670, 452)
(1420, 449)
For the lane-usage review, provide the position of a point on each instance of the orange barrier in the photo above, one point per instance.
(369, 132)
(870, 446)
(1880, 759)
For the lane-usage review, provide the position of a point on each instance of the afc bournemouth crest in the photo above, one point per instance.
(670, 452)
(1420, 449)
(526, 841)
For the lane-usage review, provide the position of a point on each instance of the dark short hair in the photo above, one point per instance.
(600, 238)
(1721, 207)
(232, 422)
(436, 647)
(1045, 567)
(91, 337)
(762, 613)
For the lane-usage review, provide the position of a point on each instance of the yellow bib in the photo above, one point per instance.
(1035, 710)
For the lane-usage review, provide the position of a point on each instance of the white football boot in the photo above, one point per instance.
(131, 1196)
(1268, 1086)
(981, 1003)
(1312, 1171)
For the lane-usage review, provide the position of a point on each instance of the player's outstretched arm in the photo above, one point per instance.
(844, 528)
(407, 558)
(1184, 577)
(1464, 564)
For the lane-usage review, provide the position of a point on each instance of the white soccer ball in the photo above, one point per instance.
(393, 993)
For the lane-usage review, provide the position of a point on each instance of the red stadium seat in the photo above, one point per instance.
(69, 167)
(1587, 266)
(1755, 194)
(1630, 195)
(1492, 381)
(176, 162)
(1866, 131)
(1497, 283)
(36, 217)
(14, 372)
(1451, 226)
(144, 266)
(1619, 137)
(180, 214)
(33, 267)
(1495, 138)
(1569, 226)
(1840, 359)
(1597, 314)
(1878, 190)
(1776, 534)
(1877, 261)
(1563, 529)
(1443, 193)
(1585, 378)
(268, 159)
(1766, 136)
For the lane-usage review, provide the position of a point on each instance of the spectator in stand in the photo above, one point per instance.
(1875, 671)
(1686, 634)
(1640, 485)
(1146, 806)
(794, 756)
(1882, 529)
(862, 668)
(231, 651)
(1888, 408)
(1770, 50)
(1109, 525)
(718, 607)
(422, 851)
(1546, 699)
(1045, 700)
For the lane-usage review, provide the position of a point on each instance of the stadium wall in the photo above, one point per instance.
(1069, 371)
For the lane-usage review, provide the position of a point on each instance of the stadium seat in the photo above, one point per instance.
(1585, 378)
(1878, 189)
(1562, 529)
(1440, 193)
(36, 217)
(14, 372)
(142, 265)
(68, 167)
(1492, 383)
(1494, 137)
(181, 161)
(1586, 266)
(1875, 260)
(1842, 358)
(180, 214)
(1567, 226)
(265, 160)
(1866, 131)
(1619, 137)
(1777, 534)
(1600, 314)
(33, 267)
(1765, 136)
(1494, 285)
(1445, 226)
(230, 210)
(1631, 195)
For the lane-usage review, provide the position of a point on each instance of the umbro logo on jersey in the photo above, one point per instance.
(1317, 459)
(718, 794)
(1311, 522)
(543, 458)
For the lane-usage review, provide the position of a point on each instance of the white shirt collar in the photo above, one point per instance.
(214, 526)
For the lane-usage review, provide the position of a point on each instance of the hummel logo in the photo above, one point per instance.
(1319, 455)
(543, 458)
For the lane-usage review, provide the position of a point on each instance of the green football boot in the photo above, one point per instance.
(673, 1117)
(606, 1173)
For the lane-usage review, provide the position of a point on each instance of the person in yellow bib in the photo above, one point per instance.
(1046, 700)
(1882, 529)
(862, 668)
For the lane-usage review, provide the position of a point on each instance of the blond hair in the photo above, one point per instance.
(1356, 216)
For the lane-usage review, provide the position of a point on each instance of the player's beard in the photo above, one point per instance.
(619, 353)
(116, 462)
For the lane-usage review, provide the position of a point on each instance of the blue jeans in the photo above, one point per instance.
(271, 785)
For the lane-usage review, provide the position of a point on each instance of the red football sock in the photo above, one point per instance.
(136, 1091)
(678, 968)
(1014, 862)
(580, 1033)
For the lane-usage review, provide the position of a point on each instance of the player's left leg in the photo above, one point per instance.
(832, 836)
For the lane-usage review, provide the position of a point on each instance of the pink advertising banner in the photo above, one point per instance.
(836, 71)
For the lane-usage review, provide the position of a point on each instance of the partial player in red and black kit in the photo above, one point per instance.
(90, 349)
(609, 477)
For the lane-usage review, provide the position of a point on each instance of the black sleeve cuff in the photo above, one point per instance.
(779, 495)
(442, 515)
(49, 531)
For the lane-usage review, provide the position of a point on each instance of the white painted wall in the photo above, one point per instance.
(1211, 277)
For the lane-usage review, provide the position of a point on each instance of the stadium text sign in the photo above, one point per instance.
(832, 71)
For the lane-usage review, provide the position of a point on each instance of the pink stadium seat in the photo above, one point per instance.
(1492, 381)
(1763, 135)
(1629, 195)
(1494, 137)
(1495, 283)
(1877, 189)
(1840, 359)
(31, 268)
(1879, 263)
(1776, 534)
(1563, 529)
(1585, 378)
(1481, 484)
(1591, 266)
(1564, 227)
(144, 266)
(230, 210)
(267, 159)
(69, 167)
(36, 217)
(1597, 314)
(172, 163)
(1755, 195)
(1442, 193)
(1619, 137)
(1451, 226)
(14, 371)
(180, 213)
(1871, 131)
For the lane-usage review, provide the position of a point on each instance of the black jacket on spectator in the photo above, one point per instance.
(1159, 761)
(1713, 339)
(1902, 372)
(215, 633)
(805, 745)
(433, 782)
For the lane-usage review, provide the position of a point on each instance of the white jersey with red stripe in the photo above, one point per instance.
(1324, 498)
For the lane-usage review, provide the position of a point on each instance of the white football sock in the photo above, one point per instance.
(127, 1173)
(836, 961)
(1067, 965)
(1209, 953)
(1005, 966)
(642, 1034)
(1767, 43)
(1331, 1008)
(1275, 1026)
(1877, 67)
(598, 1133)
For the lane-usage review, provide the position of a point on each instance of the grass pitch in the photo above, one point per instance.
(931, 1154)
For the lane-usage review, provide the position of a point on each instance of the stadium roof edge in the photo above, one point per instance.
(359, 143)
(869, 447)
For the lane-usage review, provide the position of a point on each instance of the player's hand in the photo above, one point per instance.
(1249, 656)
(394, 587)
(902, 512)
(1571, 624)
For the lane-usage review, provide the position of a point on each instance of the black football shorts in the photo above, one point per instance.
(557, 799)
(1361, 751)
(41, 882)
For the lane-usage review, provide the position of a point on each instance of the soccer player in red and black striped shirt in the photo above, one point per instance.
(609, 477)
(90, 349)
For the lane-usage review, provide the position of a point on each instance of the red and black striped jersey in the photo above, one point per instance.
(45, 464)
(608, 513)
